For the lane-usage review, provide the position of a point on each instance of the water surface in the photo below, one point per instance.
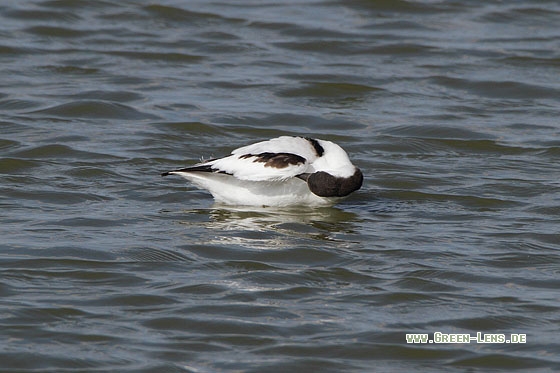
(449, 108)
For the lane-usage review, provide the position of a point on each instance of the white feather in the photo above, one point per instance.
(232, 191)
(248, 169)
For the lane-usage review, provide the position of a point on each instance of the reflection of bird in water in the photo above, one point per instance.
(273, 228)
(284, 171)
(254, 218)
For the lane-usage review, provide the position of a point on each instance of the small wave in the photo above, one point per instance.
(69, 70)
(191, 129)
(330, 90)
(55, 31)
(17, 104)
(492, 361)
(498, 89)
(341, 47)
(437, 132)
(15, 165)
(177, 14)
(162, 56)
(42, 15)
(54, 197)
(58, 151)
(95, 109)
(404, 6)
(279, 123)
(148, 254)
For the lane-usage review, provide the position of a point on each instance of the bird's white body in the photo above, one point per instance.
(284, 171)
(232, 191)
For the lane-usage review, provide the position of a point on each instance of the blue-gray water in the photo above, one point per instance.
(450, 108)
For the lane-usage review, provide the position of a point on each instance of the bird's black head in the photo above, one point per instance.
(324, 184)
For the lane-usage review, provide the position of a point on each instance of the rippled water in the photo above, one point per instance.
(450, 108)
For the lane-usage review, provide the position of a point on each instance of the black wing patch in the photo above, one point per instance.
(318, 148)
(196, 168)
(275, 160)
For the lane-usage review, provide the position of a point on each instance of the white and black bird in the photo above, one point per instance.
(283, 171)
